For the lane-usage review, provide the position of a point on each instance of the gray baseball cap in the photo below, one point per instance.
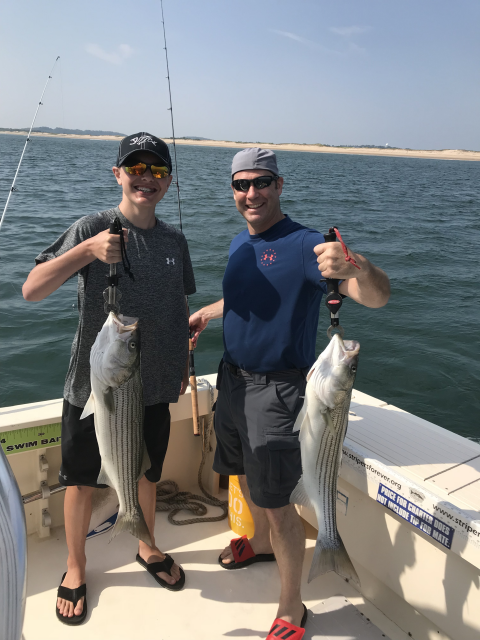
(254, 158)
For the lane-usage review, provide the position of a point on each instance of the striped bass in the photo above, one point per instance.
(116, 402)
(322, 423)
(13, 554)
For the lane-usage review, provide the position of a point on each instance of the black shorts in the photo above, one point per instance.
(80, 455)
(254, 419)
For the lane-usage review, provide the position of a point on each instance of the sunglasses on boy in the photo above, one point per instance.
(259, 183)
(139, 168)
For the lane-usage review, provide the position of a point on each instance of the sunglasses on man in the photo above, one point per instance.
(262, 182)
(139, 168)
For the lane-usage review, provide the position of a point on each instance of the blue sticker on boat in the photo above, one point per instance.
(432, 526)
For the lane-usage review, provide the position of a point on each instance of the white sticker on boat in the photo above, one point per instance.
(436, 529)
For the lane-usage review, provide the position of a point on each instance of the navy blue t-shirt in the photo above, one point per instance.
(272, 293)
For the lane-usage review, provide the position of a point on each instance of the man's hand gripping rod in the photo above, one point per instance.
(333, 299)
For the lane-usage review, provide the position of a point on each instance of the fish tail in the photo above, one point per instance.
(134, 524)
(326, 558)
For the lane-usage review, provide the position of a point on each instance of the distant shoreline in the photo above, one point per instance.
(443, 154)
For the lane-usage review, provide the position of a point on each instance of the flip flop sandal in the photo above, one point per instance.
(154, 567)
(282, 630)
(244, 555)
(72, 595)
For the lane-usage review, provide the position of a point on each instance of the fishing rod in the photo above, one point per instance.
(191, 346)
(40, 103)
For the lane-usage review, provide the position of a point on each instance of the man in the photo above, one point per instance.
(272, 292)
(163, 275)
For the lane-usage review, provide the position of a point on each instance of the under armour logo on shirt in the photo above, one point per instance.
(268, 257)
(170, 260)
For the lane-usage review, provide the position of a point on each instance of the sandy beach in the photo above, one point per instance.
(441, 154)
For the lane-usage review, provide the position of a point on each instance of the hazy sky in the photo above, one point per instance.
(338, 72)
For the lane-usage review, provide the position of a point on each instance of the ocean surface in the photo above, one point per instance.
(416, 219)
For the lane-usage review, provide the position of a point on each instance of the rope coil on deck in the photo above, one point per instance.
(169, 498)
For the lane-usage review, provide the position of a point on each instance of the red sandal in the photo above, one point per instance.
(282, 630)
(244, 555)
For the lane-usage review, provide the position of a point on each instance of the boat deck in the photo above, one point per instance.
(417, 553)
(124, 601)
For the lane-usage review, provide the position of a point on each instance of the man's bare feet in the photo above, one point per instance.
(75, 578)
(258, 546)
(150, 555)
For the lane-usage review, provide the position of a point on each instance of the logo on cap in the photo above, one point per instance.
(142, 140)
(268, 257)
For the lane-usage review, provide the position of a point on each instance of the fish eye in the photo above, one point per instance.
(132, 345)
(354, 368)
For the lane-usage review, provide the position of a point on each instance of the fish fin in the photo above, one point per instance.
(299, 495)
(306, 428)
(89, 407)
(146, 464)
(329, 422)
(103, 477)
(108, 398)
(134, 524)
(326, 559)
(301, 416)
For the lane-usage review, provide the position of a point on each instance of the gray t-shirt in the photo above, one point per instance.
(163, 272)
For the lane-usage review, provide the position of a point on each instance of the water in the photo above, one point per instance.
(417, 219)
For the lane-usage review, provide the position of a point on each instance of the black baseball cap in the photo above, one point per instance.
(143, 141)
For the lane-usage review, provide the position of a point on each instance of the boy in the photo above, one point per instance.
(163, 276)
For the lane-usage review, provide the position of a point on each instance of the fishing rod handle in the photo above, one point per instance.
(193, 389)
(116, 227)
(112, 294)
(332, 283)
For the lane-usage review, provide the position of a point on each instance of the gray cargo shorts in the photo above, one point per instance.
(254, 419)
